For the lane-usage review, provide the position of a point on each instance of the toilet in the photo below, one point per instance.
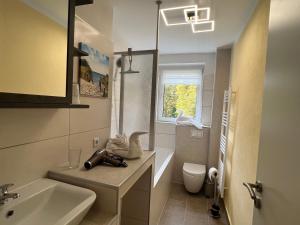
(193, 176)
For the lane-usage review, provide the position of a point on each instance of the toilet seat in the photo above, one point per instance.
(194, 169)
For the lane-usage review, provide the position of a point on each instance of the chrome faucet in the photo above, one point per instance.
(4, 195)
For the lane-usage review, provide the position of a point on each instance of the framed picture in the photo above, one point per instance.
(92, 82)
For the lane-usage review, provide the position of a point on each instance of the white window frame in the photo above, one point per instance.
(183, 69)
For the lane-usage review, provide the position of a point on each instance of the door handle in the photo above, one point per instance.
(252, 189)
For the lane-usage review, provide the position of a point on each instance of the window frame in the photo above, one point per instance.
(161, 86)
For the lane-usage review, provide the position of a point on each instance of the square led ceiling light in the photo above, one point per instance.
(176, 16)
(201, 14)
(203, 26)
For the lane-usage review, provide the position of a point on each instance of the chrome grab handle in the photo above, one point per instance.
(252, 189)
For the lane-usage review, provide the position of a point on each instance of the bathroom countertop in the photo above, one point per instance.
(113, 177)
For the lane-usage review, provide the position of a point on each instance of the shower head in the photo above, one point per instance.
(130, 71)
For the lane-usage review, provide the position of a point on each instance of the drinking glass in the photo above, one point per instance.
(74, 157)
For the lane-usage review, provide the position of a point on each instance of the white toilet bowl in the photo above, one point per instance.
(193, 176)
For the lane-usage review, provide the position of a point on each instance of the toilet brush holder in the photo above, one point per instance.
(215, 208)
(215, 211)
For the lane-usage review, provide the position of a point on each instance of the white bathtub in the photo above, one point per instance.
(162, 182)
(162, 160)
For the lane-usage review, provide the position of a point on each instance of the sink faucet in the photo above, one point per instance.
(4, 195)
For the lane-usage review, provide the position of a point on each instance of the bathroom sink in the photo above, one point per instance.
(47, 202)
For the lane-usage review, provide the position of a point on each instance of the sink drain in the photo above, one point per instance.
(10, 213)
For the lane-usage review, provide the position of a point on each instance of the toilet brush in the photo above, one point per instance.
(215, 208)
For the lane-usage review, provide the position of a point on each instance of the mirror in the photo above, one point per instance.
(34, 49)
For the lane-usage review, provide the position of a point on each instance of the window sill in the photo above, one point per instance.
(179, 124)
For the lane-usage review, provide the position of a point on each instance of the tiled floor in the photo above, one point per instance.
(186, 209)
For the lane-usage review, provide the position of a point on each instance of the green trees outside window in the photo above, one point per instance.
(179, 97)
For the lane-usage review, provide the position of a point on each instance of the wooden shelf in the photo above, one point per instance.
(50, 106)
(83, 2)
(81, 106)
(78, 53)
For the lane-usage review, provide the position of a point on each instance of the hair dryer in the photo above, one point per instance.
(104, 157)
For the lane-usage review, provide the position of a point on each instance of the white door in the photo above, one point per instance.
(279, 154)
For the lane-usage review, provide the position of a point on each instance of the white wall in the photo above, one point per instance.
(32, 141)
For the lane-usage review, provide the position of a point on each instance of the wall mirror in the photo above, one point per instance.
(36, 50)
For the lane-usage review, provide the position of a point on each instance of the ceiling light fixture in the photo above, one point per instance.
(163, 13)
(189, 18)
(211, 23)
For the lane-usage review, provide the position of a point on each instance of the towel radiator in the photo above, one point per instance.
(223, 141)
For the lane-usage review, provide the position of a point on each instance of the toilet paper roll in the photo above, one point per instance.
(212, 173)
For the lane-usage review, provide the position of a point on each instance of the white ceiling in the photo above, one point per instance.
(135, 25)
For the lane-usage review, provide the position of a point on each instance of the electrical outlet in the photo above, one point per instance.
(96, 142)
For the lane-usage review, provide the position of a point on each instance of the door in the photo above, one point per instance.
(279, 154)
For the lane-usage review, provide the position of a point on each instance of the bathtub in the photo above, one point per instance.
(164, 160)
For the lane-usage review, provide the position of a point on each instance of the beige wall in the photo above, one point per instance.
(34, 140)
(223, 63)
(27, 31)
(247, 78)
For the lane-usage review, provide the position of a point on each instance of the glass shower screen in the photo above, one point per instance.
(137, 97)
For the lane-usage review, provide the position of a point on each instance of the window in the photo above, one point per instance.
(180, 91)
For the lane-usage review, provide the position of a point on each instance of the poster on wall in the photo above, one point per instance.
(92, 82)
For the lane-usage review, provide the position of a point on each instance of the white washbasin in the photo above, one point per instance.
(47, 202)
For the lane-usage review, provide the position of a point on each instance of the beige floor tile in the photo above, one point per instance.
(174, 206)
(220, 221)
(196, 218)
(172, 219)
(197, 203)
(183, 208)
(178, 192)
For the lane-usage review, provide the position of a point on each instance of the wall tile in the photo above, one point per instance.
(207, 98)
(165, 128)
(165, 141)
(85, 141)
(23, 164)
(96, 117)
(206, 116)
(20, 126)
(208, 82)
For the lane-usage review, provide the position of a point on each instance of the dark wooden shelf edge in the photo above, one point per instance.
(74, 106)
(78, 53)
(83, 2)
(49, 106)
